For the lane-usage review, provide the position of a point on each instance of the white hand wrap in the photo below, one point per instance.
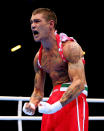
(47, 108)
(28, 112)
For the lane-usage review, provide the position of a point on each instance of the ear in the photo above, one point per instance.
(52, 23)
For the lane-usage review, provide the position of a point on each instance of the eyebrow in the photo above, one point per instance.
(35, 20)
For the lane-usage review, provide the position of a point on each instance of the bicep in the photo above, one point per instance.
(39, 79)
(75, 70)
(35, 62)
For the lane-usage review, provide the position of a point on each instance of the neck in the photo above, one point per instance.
(50, 41)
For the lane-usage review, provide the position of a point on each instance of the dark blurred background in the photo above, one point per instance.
(81, 20)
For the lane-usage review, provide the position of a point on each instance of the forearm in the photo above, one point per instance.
(36, 97)
(72, 92)
(38, 92)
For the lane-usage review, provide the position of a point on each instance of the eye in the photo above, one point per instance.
(36, 21)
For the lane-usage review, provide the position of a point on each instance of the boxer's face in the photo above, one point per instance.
(40, 27)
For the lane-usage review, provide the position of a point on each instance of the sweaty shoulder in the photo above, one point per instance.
(35, 62)
(72, 51)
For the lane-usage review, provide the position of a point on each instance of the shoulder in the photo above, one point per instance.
(35, 62)
(72, 51)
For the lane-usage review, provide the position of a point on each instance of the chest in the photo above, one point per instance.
(51, 61)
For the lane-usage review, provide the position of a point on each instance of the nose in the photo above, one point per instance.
(33, 26)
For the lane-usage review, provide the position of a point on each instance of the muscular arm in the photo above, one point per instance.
(75, 71)
(39, 81)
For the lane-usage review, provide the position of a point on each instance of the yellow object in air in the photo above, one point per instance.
(83, 52)
(15, 48)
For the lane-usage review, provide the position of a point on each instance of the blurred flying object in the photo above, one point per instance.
(84, 53)
(15, 48)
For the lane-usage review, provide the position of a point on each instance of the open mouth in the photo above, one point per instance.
(35, 32)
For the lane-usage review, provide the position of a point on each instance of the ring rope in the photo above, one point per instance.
(13, 98)
(19, 117)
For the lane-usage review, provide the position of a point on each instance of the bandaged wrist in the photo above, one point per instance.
(56, 107)
(47, 108)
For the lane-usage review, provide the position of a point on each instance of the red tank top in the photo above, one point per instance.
(59, 38)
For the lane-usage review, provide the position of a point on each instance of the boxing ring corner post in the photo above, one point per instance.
(20, 118)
